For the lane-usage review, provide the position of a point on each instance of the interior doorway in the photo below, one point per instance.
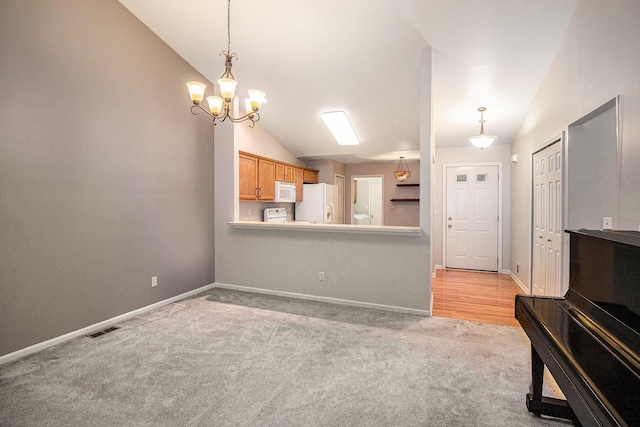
(368, 194)
(472, 206)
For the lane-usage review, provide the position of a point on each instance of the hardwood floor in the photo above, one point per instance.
(468, 295)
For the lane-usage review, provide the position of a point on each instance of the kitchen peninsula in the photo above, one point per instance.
(329, 228)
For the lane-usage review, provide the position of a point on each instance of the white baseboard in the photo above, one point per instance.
(440, 267)
(96, 327)
(431, 303)
(395, 309)
(518, 282)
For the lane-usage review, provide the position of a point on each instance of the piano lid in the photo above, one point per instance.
(605, 269)
(626, 237)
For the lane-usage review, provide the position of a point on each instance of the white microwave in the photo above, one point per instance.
(285, 192)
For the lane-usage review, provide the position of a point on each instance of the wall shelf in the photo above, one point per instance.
(404, 200)
(408, 185)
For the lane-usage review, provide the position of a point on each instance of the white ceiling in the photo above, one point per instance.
(362, 57)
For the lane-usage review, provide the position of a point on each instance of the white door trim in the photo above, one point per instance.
(444, 207)
(565, 240)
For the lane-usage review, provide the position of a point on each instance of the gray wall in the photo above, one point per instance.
(597, 60)
(327, 169)
(106, 179)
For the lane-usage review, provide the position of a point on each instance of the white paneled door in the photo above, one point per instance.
(472, 217)
(546, 268)
(339, 213)
(375, 202)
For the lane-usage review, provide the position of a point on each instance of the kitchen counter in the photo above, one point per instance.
(329, 228)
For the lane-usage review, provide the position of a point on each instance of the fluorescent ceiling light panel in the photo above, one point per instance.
(340, 127)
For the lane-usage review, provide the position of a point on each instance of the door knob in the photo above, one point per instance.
(449, 225)
(450, 218)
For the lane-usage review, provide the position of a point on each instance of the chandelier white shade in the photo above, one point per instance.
(196, 91)
(482, 141)
(220, 106)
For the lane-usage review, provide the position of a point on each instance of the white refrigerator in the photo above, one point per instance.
(318, 203)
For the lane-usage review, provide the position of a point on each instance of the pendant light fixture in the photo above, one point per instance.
(482, 141)
(220, 106)
(402, 172)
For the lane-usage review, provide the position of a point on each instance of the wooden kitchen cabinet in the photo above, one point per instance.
(310, 176)
(284, 172)
(279, 172)
(298, 180)
(266, 179)
(248, 171)
(257, 178)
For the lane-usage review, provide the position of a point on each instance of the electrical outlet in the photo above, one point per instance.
(606, 223)
(154, 281)
(249, 211)
(321, 276)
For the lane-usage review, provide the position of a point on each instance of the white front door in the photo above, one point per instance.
(546, 265)
(472, 217)
(375, 202)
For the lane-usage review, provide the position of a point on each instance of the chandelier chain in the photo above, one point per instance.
(229, 27)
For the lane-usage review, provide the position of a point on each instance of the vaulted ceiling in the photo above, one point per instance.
(362, 57)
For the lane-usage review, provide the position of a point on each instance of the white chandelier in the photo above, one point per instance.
(482, 141)
(220, 106)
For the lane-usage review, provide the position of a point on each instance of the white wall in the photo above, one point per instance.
(378, 269)
(471, 155)
(592, 157)
(597, 60)
(258, 141)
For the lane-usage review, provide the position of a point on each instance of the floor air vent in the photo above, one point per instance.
(106, 331)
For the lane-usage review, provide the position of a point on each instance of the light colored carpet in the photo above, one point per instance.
(227, 358)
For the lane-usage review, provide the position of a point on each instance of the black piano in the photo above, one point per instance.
(589, 340)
